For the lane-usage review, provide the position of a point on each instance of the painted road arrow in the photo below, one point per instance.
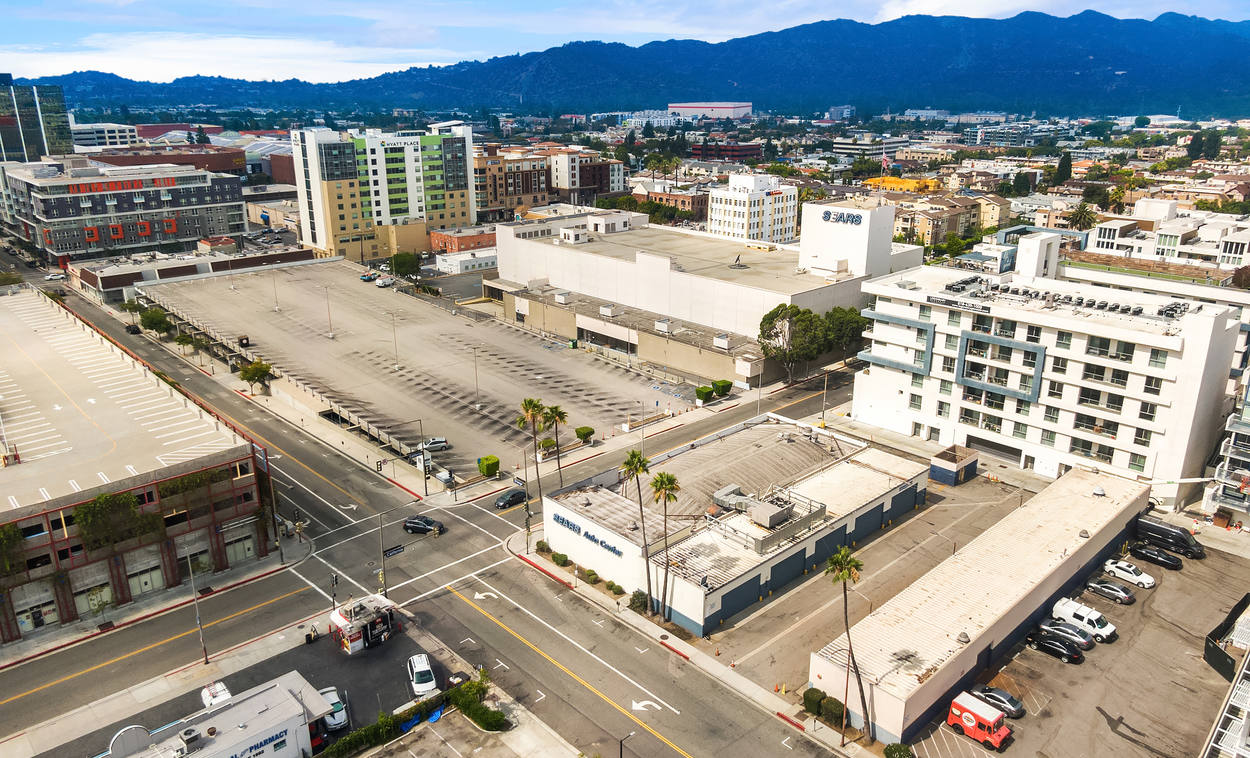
(642, 706)
(481, 595)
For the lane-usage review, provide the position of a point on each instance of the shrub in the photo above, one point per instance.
(811, 700)
(638, 602)
(703, 393)
(619, 590)
(584, 433)
(488, 465)
(468, 698)
(547, 444)
(591, 576)
(543, 547)
(721, 387)
(897, 750)
(831, 710)
(560, 559)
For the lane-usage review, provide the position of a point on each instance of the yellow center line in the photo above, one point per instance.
(146, 648)
(565, 669)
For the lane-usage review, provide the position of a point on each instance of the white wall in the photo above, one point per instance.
(860, 236)
(626, 570)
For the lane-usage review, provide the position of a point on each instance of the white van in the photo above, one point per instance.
(214, 694)
(385, 281)
(1067, 609)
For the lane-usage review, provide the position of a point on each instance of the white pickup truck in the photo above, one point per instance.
(1067, 609)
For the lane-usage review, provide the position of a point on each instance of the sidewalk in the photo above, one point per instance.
(1210, 535)
(150, 605)
(780, 707)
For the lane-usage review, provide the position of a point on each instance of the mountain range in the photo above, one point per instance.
(1089, 63)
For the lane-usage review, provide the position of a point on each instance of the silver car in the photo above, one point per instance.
(1067, 631)
(337, 718)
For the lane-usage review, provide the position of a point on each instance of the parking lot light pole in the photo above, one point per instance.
(382, 555)
(476, 393)
(621, 745)
(274, 271)
(329, 321)
(395, 340)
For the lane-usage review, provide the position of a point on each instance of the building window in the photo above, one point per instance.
(1006, 328)
(917, 380)
(1094, 373)
(1055, 389)
(1147, 412)
(1119, 377)
(945, 387)
(982, 324)
(914, 402)
(1034, 334)
(1059, 365)
(1142, 437)
(1048, 438)
(952, 318)
(1158, 358)
(926, 312)
(1019, 430)
(1124, 351)
(952, 342)
(1153, 385)
(1003, 354)
(1023, 407)
(1063, 340)
(1137, 462)
(1052, 414)
(948, 364)
(1099, 346)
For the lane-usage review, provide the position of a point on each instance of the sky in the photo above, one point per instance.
(322, 41)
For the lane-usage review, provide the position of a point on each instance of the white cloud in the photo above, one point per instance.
(161, 57)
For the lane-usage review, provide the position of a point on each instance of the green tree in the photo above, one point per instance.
(256, 372)
(1020, 184)
(664, 489)
(184, 340)
(789, 334)
(531, 417)
(1082, 217)
(200, 137)
(1194, 148)
(631, 139)
(553, 416)
(1211, 145)
(133, 308)
(110, 518)
(1063, 172)
(1116, 199)
(648, 131)
(1141, 122)
(201, 345)
(155, 320)
(842, 567)
(635, 465)
(12, 549)
(844, 329)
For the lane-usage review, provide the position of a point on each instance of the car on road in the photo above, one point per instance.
(31, 264)
(369, 277)
(1156, 555)
(1129, 573)
(1067, 631)
(133, 329)
(55, 276)
(1053, 646)
(337, 718)
(385, 281)
(434, 445)
(423, 525)
(1000, 699)
(421, 676)
(514, 496)
(1111, 590)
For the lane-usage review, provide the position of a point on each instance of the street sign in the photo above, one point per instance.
(518, 481)
(391, 552)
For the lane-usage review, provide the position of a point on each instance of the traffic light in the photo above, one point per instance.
(380, 462)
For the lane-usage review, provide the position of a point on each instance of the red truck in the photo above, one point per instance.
(978, 720)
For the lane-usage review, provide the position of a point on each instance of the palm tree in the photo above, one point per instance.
(1082, 217)
(635, 465)
(532, 417)
(844, 567)
(553, 416)
(664, 486)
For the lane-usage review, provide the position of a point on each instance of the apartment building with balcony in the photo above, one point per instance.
(1038, 372)
(754, 207)
(507, 179)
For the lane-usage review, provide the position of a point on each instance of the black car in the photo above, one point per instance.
(1061, 649)
(1156, 555)
(1111, 590)
(133, 329)
(1000, 699)
(514, 496)
(423, 525)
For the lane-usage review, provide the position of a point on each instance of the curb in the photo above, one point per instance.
(791, 721)
(402, 487)
(675, 650)
(545, 571)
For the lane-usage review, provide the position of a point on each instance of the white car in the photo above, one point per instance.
(337, 718)
(1129, 573)
(421, 676)
(55, 277)
(385, 281)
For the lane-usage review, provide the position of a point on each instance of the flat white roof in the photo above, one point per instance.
(913, 634)
(860, 478)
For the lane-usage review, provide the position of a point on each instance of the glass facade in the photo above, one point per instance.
(33, 122)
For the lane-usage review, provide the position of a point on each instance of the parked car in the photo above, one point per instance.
(1111, 590)
(1129, 573)
(434, 444)
(1169, 537)
(421, 676)
(423, 525)
(369, 277)
(1084, 617)
(337, 718)
(133, 329)
(55, 276)
(1053, 646)
(1066, 630)
(385, 281)
(514, 496)
(1000, 699)
(1156, 555)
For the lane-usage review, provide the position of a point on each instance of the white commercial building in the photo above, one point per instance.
(465, 261)
(754, 207)
(1047, 373)
(104, 135)
(710, 110)
(1159, 230)
(930, 641)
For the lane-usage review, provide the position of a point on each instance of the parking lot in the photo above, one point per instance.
(1147, 694)
(461, 379)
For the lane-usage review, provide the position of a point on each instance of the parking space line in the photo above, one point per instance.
(155, 411)
(191, 437)
(178, 431)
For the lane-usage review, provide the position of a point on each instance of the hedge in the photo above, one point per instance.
(542, 547)
(638, 601)
(811, 700)
(591, 576)
(831, 710)
(560, 559)
(898, 750)
(488, 465)
(584, 433)
(703, 393)
(721, 387)
(618, 589)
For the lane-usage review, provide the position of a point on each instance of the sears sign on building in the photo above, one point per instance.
(839, 217)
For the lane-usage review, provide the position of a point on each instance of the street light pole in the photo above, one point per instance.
(274, 278)
(425, 474)
(195, 600)
(329, 321)
(395, 340)
(621, 751)
(477, 403)
(822, 400)
(382, 555)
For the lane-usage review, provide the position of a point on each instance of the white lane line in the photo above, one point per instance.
(344, 574)
(446, 566)
(310, 584)
(481, 529)
(305, 511)
(491, 512)
(314, 494)
(157, 411)
(180, 440)
(578, 645)
(457, 580)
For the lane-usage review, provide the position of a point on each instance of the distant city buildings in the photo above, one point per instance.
(732, 110)
(103, 135)
(507, 179)
(726, 150)
(222, 160)
(1160, 230)
(754, 207)
(579, 174)
(33, 121)
(840, 113)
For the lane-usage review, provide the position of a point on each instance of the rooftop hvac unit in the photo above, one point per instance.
(721, 341)
(1137, 310)
(562, 298)
(189, 735)
(663, 326)
(607, 311)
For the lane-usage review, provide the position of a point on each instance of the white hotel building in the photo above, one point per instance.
(1048, 373)
(754, 207)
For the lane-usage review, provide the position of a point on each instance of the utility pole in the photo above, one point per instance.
(195, 600)
(334, 587)
(822, 400)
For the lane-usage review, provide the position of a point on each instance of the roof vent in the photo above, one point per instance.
(663, 326)
(607, 311)
(1083, 534)
(1099, 492)
(721, 341)
(189, 735)
(562, 298)
(963, 638)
